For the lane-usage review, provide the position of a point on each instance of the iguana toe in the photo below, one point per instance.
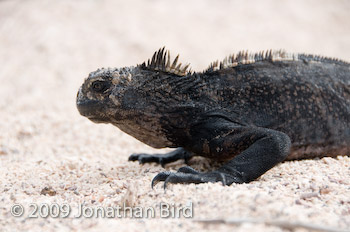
(189, 175)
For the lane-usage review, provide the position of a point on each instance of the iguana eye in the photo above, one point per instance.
(99, 86)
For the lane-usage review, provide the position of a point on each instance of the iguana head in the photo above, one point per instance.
(113, 95)
(101, 94)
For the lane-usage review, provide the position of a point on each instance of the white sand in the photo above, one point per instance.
(47, 48)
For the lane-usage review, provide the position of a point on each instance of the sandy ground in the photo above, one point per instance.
(50, 155)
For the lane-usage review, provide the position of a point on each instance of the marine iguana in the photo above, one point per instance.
(251, 110)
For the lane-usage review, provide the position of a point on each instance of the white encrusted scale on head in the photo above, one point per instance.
(161, 61)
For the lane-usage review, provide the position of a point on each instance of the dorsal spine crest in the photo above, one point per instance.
(243, 57)
(161, 61)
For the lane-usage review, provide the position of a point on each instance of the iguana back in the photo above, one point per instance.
(307, 97)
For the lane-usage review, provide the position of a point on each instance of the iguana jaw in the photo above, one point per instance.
(92, 110)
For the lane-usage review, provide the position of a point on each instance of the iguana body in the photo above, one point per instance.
(252, 110)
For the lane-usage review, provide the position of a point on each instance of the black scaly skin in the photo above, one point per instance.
(253, 115)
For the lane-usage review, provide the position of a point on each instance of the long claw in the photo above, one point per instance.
(165, 184)
(161, 162)
(133, 157)
(160, 177)
(223, 179)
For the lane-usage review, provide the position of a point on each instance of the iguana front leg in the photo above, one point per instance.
(162, 159)
(253, 151)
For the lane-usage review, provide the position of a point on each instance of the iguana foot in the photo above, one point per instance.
(162, 159)
(189, 175)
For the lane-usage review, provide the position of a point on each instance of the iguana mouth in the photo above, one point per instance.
(92, 109)
(98, 120)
